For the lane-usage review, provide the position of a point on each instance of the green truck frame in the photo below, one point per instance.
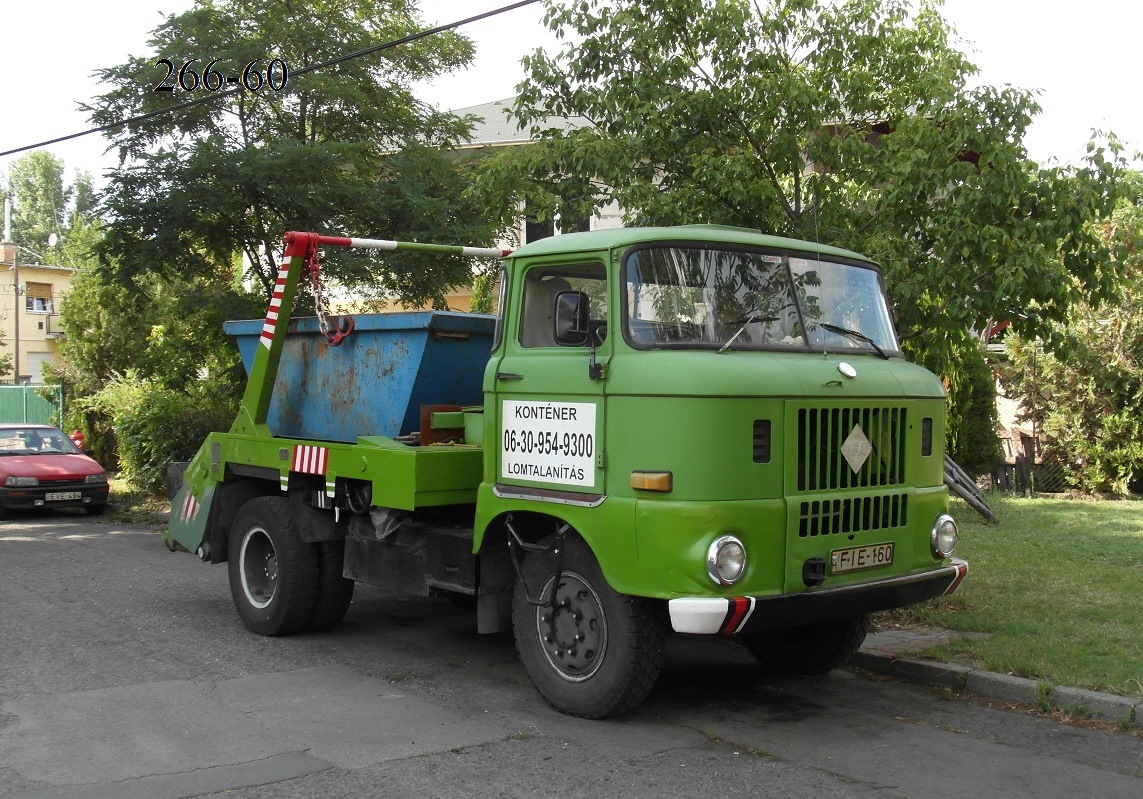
(696, 429)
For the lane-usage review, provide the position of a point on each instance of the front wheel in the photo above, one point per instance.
(273, 572)
(811, 648)
(592, 653)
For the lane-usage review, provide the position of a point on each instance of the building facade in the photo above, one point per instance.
(30, 297)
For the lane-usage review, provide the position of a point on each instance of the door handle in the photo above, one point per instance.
(508, 376)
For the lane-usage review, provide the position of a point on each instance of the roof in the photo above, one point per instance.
(719, 234)
(495, 128)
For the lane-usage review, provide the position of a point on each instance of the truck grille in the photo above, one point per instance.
(852, 515)
(822, 434)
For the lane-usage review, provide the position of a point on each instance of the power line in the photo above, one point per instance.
(313, 67)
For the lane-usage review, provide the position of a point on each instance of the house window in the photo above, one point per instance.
(38, 298)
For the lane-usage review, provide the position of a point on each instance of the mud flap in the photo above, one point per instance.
(189, 515)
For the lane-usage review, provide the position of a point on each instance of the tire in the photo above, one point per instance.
(614, 666)
(95, 510)
(273, 572)
(334, 592)
(809, 649)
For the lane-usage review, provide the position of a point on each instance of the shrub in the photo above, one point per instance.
(155, 424)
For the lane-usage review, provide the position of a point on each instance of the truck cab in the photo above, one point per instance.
(725, 419)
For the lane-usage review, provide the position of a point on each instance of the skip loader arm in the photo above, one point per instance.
(191, 507)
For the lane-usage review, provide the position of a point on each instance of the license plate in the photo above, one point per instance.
(858, 558)
(60, 496)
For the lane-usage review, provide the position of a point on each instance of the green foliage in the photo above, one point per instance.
(5, 359)
(344, 149)
(971, 434)
(483, 299)
(854, 123)
(45, 204)
(37, 182)
(1086, 397)
(155, 424)
(169, 335)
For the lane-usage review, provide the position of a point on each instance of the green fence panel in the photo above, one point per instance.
(25, 404)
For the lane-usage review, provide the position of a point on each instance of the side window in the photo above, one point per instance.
(542, 284)
(501, 309)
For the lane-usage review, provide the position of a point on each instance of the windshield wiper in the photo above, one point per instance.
(751, 317)
(853, 334)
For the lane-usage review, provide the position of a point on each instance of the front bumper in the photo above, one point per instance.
(732, 615)
(80, 495)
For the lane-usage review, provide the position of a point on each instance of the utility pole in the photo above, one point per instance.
(9, 246)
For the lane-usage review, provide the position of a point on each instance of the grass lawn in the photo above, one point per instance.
(1058, 587)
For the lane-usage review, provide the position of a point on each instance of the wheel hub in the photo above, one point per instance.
(258, 567)
(573, 633)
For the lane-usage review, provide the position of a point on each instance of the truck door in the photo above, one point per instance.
(550, 410)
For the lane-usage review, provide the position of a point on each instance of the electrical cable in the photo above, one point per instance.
(293, 73)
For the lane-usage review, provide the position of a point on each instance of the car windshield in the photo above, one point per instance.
(28, 440)
(703, 297)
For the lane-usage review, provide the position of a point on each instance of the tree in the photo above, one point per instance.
(152, 350)
(1087, 398)
(850, 122)
(344, 148)
(45, 205)
(36, 181)
(5, 359)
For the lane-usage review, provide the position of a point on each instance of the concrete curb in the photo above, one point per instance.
(1124, 710)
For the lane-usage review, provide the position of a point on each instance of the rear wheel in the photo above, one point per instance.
(273, 572)
(596, 653)
(811, 648)
(95, 510)
(334, 592)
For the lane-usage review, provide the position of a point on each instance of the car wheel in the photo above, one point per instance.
(95, 510)
(596, 653)
(273, 572)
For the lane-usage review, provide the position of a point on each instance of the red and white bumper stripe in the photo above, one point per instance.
(310, 460)
(189, 508)
(275, 308)
(712, 616)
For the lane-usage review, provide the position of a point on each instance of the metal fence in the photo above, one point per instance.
(32, 404)
(1048, 477)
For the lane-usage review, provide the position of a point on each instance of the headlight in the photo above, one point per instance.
(96, 478)
(943, 539)
(726, 560)
(21, 481)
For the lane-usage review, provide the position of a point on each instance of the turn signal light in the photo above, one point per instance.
(651, 481)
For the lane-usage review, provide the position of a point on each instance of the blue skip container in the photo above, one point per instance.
(375, 381)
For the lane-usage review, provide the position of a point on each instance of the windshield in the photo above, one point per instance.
(743, 299)
(27, 440)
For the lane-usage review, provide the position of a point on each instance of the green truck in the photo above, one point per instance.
(693, 429)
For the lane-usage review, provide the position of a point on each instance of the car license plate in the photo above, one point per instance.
(858, 558)
(60, 496)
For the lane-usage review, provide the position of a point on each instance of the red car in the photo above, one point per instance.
(41, 468)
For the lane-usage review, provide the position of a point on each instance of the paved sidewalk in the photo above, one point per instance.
(888, 652)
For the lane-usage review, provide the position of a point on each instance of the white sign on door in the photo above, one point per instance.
(549, 442)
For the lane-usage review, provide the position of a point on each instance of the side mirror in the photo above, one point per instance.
(571, 319)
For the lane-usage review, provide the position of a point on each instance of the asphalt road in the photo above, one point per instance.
(125, 672)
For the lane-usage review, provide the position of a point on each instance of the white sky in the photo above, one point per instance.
(1083, 57)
